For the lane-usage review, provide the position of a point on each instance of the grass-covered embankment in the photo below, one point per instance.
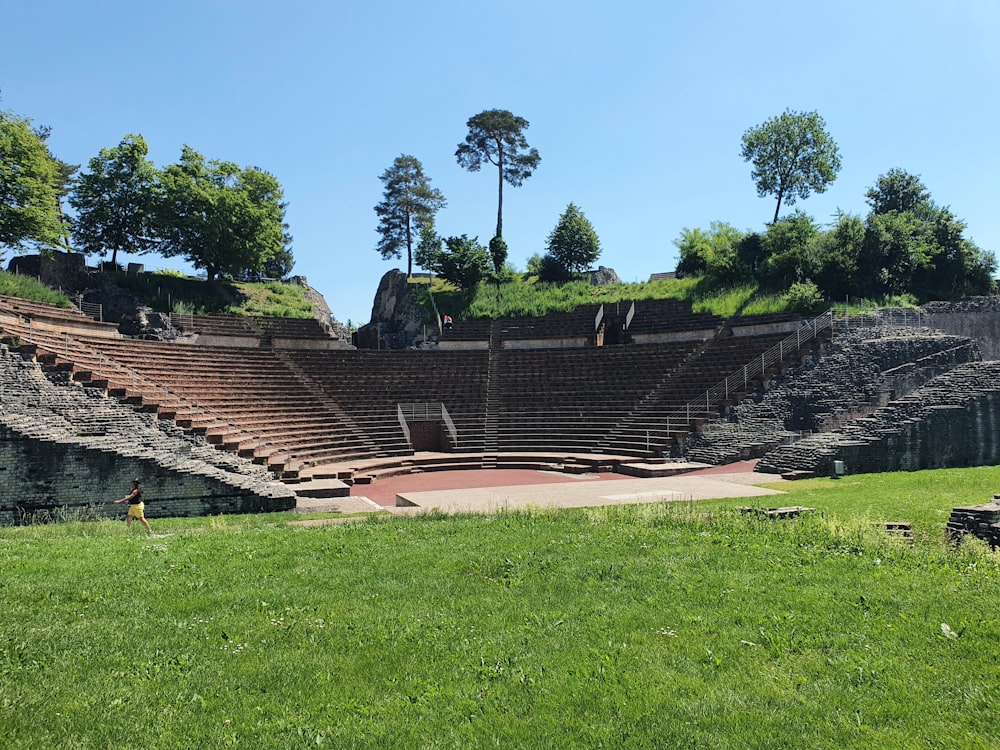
(169, 291)
(525, 296)
(30, 288)
(638, 626)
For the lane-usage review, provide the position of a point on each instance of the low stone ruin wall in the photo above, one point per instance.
(980, 521)
(66, 446)
(976, 317)
(858, 372)
(945, 436)
(38, 475)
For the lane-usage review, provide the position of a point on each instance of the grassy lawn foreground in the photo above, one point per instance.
(655, 626)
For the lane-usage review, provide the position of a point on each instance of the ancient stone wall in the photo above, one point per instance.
(976, 317)
(65, 445)
(943, 436)
(61, 270)
(398, 320)
(952, 421)
(860, 371)
(37, 475)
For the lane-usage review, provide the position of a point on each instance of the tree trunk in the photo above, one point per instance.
(500, 192)
(777, 208)
(409, 248)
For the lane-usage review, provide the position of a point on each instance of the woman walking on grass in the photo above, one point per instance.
(136, 507)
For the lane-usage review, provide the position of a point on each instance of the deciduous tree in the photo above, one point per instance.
(496, 136)
(220, 217)
(408, 204)
(911, 245)
(30, 181)
(713, 253)
(897, 190)
(459, 260)
(792, 156)
(787, 251)
(114, 201)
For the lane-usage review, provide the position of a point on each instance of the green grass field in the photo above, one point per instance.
(658, 626)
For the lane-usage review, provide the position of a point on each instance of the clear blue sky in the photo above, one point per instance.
(637, 108)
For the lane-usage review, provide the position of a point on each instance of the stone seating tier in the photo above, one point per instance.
(295, 407)
(30, 308)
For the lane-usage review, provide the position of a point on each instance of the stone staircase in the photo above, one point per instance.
(491, 440)
(953, 420)
(51, 408)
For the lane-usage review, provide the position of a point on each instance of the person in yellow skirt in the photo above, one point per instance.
(136, 507)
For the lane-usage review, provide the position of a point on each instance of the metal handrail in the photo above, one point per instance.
(738, 380)
(425, 411)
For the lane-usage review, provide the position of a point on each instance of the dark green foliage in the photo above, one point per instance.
(31, 181)
(496, 137)
(533, 265)
(573, 243)
(785, 247)
(407, 208)
(912, 245)
(906, 245)
(550, 270)
(804, 297)
(426, 255)
(898, 191)
(792, 156)
(834, 257)
(219, 216)
(279, 265)
(114, 201)
(461, 261)
(714, 254)
(498, 254)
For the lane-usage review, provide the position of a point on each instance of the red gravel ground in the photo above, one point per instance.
(383, 491)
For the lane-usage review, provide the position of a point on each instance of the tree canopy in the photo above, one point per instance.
(458, 260)
(496, 136)
(113, 200)
(792, 156)
(30, 183)
(714, 253)
(573, 244)
(408, 205)
(906, 245)
(219, 216)
(897, 190)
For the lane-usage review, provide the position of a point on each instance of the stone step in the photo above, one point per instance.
(321, 488)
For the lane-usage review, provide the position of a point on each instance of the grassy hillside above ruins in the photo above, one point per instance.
(167, 291)
(526, 296)
(173, 292)
(30, 288)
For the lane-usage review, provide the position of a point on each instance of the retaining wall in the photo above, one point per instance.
(976, 317)
(38, 475)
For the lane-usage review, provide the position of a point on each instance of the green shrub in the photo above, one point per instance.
(804, 297)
